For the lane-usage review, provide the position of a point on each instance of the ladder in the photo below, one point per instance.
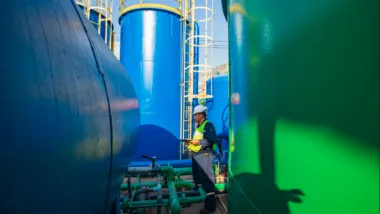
(192, 17)
(104, 10)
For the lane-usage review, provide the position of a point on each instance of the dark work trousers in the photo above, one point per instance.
(203, 174)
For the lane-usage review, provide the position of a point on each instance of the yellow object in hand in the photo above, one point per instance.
(193, 146)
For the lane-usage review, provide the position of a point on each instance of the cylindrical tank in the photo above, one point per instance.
(305, 106)
(94, 20)
(69, 113)
(217, 108)
(150, 51)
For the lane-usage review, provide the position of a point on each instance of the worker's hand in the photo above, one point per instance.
(195, 142)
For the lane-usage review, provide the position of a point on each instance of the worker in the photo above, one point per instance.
(201, 147)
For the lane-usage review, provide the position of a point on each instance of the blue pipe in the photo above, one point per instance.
(173, 163)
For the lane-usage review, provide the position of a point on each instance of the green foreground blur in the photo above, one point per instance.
(305, 107)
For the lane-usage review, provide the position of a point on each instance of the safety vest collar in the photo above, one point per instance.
(203, 123)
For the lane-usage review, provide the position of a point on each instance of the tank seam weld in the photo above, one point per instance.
(101, 72)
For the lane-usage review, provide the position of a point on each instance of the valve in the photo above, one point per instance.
(153, 159)
(154, 165)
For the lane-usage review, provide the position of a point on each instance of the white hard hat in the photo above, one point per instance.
(200, 109)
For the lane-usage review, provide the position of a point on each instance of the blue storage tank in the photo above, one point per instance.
(218, 108)
(150, 50)
(69, 113)
(94, 19)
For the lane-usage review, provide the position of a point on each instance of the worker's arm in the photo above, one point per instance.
(209, 135)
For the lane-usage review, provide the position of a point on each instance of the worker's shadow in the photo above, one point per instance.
(260, 195)
(260, 192)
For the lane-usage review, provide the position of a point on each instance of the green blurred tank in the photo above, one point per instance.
(305, 106)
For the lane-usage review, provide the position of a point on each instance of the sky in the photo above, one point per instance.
(220, 31)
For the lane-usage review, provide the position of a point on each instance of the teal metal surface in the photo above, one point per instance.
(69, 114)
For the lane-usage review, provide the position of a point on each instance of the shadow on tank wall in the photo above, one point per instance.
(266, 199)
(328, 74)
(262, 194)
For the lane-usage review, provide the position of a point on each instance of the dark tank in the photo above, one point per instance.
(69, 115)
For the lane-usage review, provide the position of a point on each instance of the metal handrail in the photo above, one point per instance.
(123, 4)
(104, 10)
(204, 69)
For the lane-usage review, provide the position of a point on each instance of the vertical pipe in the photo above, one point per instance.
(191, 73)
(206, 46)
(174, 200)
(112, 41)
(212, 44)
(181, 91)
(111, 26)
(106, 24)
(99, 18)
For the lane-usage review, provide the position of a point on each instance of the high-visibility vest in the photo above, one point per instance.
(198, 135)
